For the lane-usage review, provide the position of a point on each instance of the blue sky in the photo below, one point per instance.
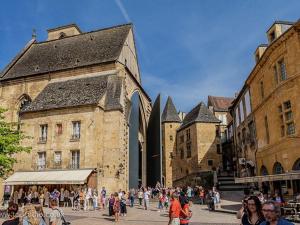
(188, 49)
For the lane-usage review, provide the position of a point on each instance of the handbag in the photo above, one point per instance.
(64, 222)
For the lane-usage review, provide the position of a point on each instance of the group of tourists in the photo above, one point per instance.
(33, 214)
(257, 210)
(77, 198)
(175, 201)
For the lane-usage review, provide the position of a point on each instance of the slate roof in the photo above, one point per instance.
(199, 114)
(170, 113)
(220, 104)
(75, 51)
(78, 92)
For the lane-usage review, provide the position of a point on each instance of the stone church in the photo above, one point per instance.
(79, 96)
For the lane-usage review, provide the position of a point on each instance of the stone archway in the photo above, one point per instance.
(137, 147)
(296, 165)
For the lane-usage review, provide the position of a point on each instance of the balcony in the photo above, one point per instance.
(42, 140)
(75, 137)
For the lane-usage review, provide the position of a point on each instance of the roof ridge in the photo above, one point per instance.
(85, 33)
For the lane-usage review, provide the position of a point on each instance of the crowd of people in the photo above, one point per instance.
(259, 209)
(76, 198)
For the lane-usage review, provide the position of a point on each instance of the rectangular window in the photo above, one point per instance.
(290, 128)
(247, 103)
(181, 138)
(57, 158)
(275, 74)
(288, 116)
(242, 111)
(171, 138)
(181, 154)
(41, 163)
(282, 68)
(237, 117)
(188, 135)
(267, 130)
(43, 132)
(287, 105)
(75, 160)
(210, 162)
(188, 150)
(76, 130)
(59, 128)
(262, 93)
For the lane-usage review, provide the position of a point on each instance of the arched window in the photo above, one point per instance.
(24, 101)
(296, 165)
(263, 171)
(277, 168)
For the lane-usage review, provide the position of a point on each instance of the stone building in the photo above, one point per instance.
(244, 134)
(196, 146)
(170, 123)
(274, 91)
(220, 108)
(79, 96)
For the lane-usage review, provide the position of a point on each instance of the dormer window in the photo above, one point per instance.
(272, 36)
(62, 35)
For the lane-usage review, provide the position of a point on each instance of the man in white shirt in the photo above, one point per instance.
(146, 198)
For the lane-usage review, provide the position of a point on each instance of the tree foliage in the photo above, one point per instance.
(10, 144)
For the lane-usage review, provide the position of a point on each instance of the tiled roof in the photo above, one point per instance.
(70, 52)
(199, 114)
(170, 113)
(78, 92)
(219, 103)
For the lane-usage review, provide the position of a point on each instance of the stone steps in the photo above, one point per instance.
(226, 183)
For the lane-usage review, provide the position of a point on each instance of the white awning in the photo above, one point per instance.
(49, 177)
(293, 175)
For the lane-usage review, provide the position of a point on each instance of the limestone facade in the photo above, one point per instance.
(274, 87)
(102, 143)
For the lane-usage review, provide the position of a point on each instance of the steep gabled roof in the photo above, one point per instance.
(199, 114)
(78, 92)
(70, 52)
(170, 113)
(220, 104)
